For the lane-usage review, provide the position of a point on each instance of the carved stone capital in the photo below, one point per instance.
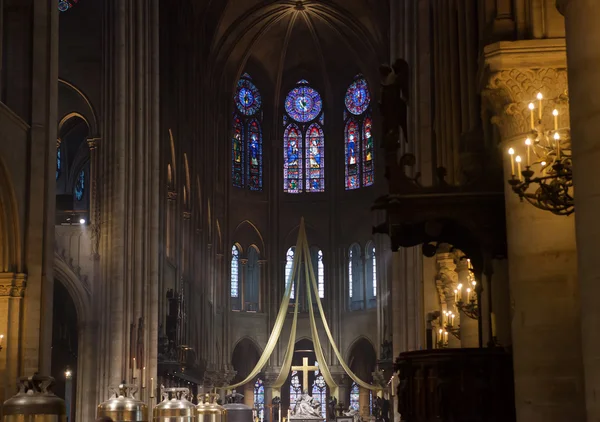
(187, 215)
(171, 195)
(509, 92)
(13, 284)
(92, 143)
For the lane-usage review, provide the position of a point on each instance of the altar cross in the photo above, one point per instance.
(305, 369)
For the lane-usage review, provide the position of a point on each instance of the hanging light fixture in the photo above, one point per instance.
(544, 178)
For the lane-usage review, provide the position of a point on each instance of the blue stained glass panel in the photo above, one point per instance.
(58, 162)
(292, 159)
(355, 397)
(303, 104)
(247, 97)
(289, 264)
(357, 97)
(315, 159)
(259, 398)
(237, 153)
(254, 155)
(319, 392)
(64, 5)
(368, 150)
(295, 389)
(80, 186)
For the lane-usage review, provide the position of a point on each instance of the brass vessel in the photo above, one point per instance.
(239, 412)
(208, 410)
(34, 402)
(174, 406)
(123, 406)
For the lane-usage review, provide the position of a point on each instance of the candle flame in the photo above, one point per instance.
(518, 158)
(555, 112)
(531, 106)
(556, 136)
(527, 141)
(511, 151)
(540, 96)
(543, 163)
(459, 286)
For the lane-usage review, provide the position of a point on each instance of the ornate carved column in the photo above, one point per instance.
(541, 246)
(583, 34)
(468, 326)
(262, 283)
(242, 283)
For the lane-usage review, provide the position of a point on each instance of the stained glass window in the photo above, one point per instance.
(237, 153)
(355, 397)
(292, 164)
(235, 271)
(58, 162)
(259, 398)
(350, 279)
(319, 391)
(374, 271)
(356, 279)
(247, 156)
(64, 5)
(320, 274)
(304, 141)
(295, 389)
(359, 168)
(289, 264)
(80, 186)
(254, 155)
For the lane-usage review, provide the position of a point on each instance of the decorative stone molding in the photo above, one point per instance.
(13, 284)
(187, 215)
(446, 278)
(92, 143)
(509, 92)
(171, 195)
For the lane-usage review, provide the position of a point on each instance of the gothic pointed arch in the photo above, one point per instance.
(303, 140)
(10, 240)
(247, 136)
(358, 135)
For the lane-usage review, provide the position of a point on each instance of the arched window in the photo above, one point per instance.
(235, 277)
(356, 287)
(259, 398)
(58, 162)
(289, 264)
(320, 274)
(303, 162)
(246, 142)
(295, 389)
(251, 281)
(359, 169)
(371, 275)
(80, 186)
(319, 391)
(355, 397)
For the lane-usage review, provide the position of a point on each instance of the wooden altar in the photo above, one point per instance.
(456, 385)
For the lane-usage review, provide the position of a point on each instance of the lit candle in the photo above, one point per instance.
(531, 108)
(445, 336)
(459, 292)
(151, 388)
(144, 377)
(133, 369)
(469, 294)
(456, 295)
(441, 337)
(511, 152)
(528, 143)
(557, 139)
(540, 97)
(555, 114)
(518, 160)
(1, 339)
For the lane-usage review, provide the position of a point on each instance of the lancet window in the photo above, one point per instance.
(362, 277)
(259, 398)
(303, 140)
(358, 136)
(246, 139)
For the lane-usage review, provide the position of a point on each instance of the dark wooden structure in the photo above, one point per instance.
(456, 385)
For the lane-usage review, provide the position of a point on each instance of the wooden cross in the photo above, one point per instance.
(305, 369)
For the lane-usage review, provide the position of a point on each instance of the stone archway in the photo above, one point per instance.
(70, 288)
(244, 358)
(362, 360)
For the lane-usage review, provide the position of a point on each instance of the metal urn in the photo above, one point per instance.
(239, 412)
(208, 410)
(34, 402)
(123, 406)
(174, 406)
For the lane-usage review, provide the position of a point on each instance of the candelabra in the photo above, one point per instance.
(448, 324)
(547, 181)
(470, 307)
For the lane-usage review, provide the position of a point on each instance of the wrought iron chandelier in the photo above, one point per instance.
(547, 180)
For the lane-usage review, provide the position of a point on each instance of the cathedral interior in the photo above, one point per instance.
(401, 172)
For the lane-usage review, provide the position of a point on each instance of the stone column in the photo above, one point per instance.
(468, 326)
(541, 246)
(363, 402)
(262, 283)
(242, 283)
(583, 32)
